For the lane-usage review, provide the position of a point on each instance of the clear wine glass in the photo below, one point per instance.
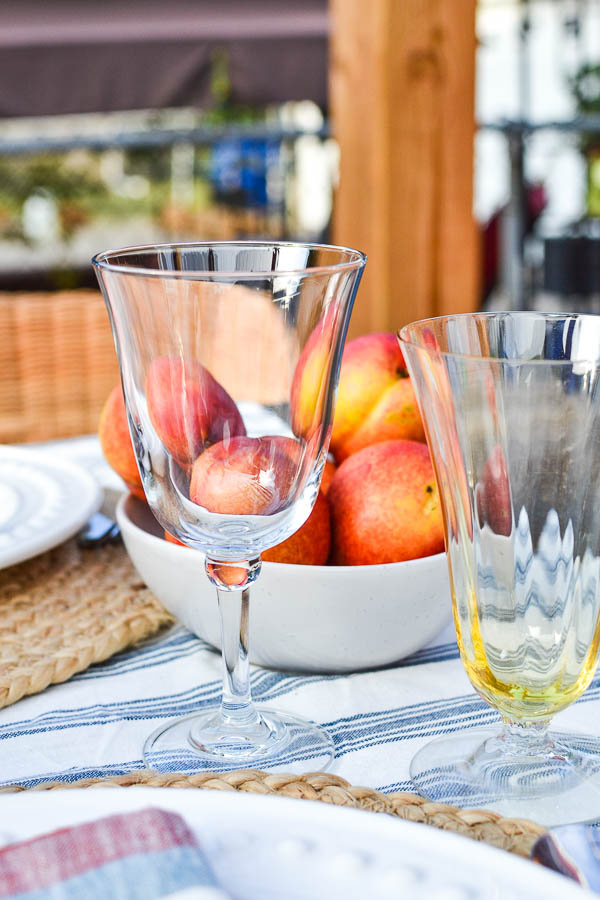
(229, 356)
(511, 404)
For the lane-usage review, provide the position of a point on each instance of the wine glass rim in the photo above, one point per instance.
(402, 335)
(102, 260)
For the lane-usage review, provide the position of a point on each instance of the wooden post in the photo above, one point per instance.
(402, 104)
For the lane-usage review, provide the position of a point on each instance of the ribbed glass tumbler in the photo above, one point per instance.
(511, 403)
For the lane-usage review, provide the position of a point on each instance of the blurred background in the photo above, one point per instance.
(128, 123)
(456, 142)
(537, 153)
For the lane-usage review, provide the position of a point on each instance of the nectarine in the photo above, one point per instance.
(385, 505)
(290, 446)
(188, 407)
(115, 440)
(327, 476)
(310, 380)
(375, 401)
(172, 539)
(310, 545)
(492, 494)
(295, 449)
(243, 476)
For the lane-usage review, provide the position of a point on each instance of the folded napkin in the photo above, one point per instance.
(573, 850)
(136, 856)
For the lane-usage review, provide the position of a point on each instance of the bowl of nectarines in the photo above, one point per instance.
(364, 582)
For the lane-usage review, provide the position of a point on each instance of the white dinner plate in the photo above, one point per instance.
(262, 848)
(43, 502)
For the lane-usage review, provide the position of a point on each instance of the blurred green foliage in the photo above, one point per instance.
(585, 86)
(74, 182)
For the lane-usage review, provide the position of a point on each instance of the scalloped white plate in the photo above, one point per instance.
(270, 848)
(43, 502)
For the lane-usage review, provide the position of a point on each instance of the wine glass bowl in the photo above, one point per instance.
(511, 405)
(200, 329)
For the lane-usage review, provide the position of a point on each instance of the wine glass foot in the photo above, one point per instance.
(557, 783)
(205, 742)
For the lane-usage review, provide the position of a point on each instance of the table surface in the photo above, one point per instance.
(95, 724)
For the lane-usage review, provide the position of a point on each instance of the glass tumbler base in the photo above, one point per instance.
(557, 783)
(204, 742)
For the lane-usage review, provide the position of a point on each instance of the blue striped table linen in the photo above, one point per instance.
(95, 724)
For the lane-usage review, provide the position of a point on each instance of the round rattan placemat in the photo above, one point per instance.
(515, 835)
(67, 609)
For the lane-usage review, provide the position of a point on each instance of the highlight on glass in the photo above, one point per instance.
(229, 356)
(511, 405)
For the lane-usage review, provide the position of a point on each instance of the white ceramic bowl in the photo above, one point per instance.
(303, 618)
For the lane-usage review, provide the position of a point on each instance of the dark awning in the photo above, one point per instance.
(62, 56)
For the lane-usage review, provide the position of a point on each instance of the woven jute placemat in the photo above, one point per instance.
(515, 835)
(67, 609)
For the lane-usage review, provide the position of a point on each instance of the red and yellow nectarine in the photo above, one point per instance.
(243, 476)
(310, 545)
(327, 476)
(310, 381)
(188, 407)
(385, 505)
(492, 494)
(375, 401)
(115, 440)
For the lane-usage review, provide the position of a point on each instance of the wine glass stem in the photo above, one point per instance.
(236, 702)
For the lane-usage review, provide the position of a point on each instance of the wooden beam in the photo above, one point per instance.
(402, 103)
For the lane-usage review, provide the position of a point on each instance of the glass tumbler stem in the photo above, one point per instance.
(233, 591)
(516, 743)
(525, 738)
